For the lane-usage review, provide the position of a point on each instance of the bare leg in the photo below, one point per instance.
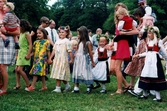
(17, 78)
(23, 74)
(43, 82)
(34, 81)
(5, 77)
(118, 75)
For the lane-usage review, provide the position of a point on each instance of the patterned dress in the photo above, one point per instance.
(60, 68)
(40, 49)
(24, 46)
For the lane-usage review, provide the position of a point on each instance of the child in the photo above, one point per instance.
(74, 43)
(125, 23)
(10, 23)
(152, 76)
(82, 67)
(101, 70)
(24, 53)
(60, 69)
(41, 53)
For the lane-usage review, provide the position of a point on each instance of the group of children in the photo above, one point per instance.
(76, 56)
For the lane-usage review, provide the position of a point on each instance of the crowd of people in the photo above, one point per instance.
(91, 60)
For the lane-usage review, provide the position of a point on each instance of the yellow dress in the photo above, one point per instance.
(40, 49)
(60, 68)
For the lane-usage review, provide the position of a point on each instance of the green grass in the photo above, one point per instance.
(20, 100)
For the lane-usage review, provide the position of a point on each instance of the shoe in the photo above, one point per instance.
(133, 93)
(75, 91)
(17, 87)
(158, 100)
(6, 42)
(127, 88)
(27, 87)
(43, 89)
(103, 91)
(57, 90)
(30, 89)
(88, 90)
(17, 46)
(142, 97)
(96, 86)
(67, 89)
(1, 86)
(2, 92)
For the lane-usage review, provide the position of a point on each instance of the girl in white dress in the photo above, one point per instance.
(101, 70)
(82, 70)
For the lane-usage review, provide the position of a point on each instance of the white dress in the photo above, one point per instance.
(82, 69)
(100, 70)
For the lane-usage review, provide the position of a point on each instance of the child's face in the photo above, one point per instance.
(40, 35)
(6, 9)
(62, 34)
(102, 41)
(75, 46)
(150, 35)
(120, 16)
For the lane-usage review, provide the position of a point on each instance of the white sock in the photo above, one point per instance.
(103, 86)
(58, 87)
(145, 93)
(76, 88)
(157, 93)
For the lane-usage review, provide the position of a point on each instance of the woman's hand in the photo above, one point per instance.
(71, 61)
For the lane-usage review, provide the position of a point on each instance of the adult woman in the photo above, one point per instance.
(6, 53)
(116, 60)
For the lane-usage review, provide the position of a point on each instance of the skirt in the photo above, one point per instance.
(157, 84)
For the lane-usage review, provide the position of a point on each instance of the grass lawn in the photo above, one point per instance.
(20, 100)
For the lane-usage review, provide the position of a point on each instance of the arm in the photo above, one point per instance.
(51, 42)
(28, 37)
(90, 53)
(132, 32)
(50, 58)
(71, 58)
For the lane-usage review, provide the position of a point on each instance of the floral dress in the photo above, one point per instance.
(60, 68)
(40, 49)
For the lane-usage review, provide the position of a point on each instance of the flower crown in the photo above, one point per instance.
(102, 35)
(154, 30)
(66, 28)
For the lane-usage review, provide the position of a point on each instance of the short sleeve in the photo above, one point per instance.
(48, 46)
(34, 46)
(5, 19)
(69, 46)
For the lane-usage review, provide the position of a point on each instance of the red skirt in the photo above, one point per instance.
(123, 51)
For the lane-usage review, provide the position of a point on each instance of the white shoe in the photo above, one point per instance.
(103, 91)
(57, 90)
(67, 88)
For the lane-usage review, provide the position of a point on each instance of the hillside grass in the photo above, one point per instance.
(20, 100)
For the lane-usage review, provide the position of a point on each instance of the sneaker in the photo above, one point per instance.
(43, 89)
(6, 42)
(57, 90)
(67, 88)
(30, 88)
(103, 91)
(88, 90)
(133, 93)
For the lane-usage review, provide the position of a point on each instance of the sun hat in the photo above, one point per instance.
(10, 5)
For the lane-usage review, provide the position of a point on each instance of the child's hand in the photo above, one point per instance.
(28, 56)
(49, 61)
(71, 61)
(93, 64)
(135, 56)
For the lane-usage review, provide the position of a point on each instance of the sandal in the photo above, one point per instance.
(17, 87)
(2, 92)
(128, 88)
(43, 89)
(116, 93)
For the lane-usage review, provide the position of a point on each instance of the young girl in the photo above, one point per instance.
(82, 67)
(101, 70)
(152, 76)
(41, 53)
(60, 69)
(24, 53)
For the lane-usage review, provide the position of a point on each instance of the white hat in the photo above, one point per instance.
(10, 5)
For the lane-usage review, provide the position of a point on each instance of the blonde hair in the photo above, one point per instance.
(10, 5)
(74, 42)
(155, 31)
(121, 11)
(75, 38)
